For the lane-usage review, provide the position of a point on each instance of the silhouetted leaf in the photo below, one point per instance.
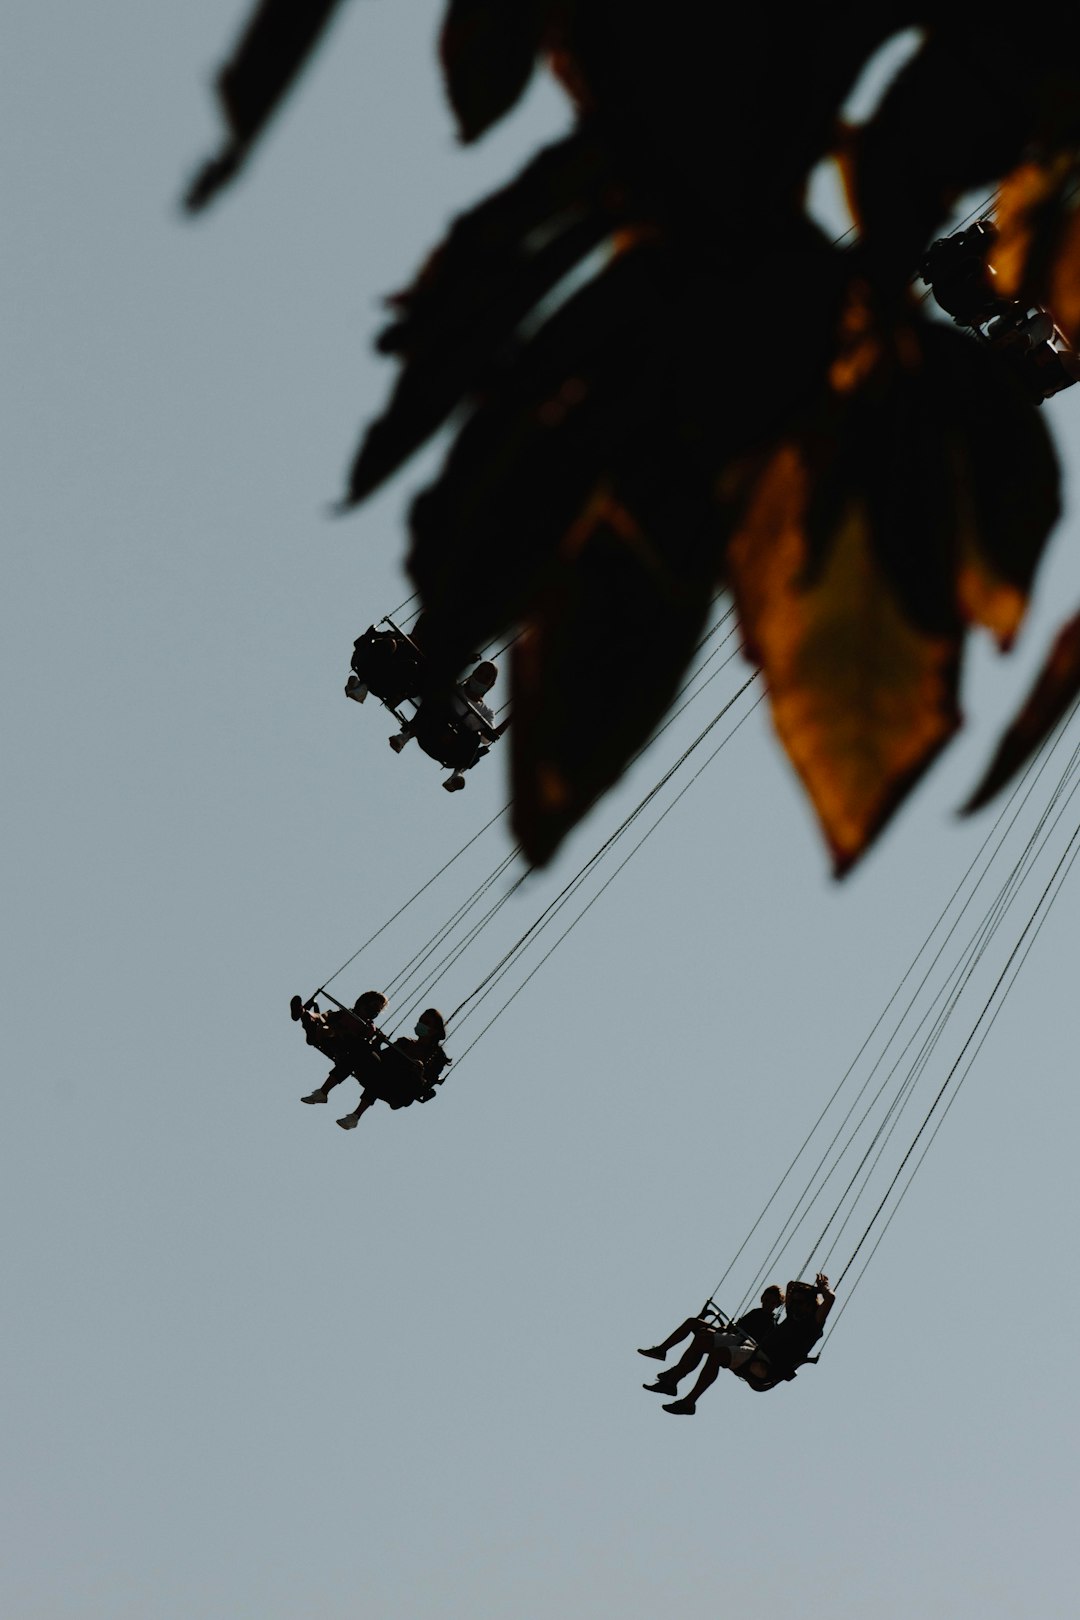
(713, 126)
(609, 638)
(1006, 480)
(952, 120)
(488, 50)
(526, 461)
(1054, 692)
(598, 375)
(275, 45)
(495, 266)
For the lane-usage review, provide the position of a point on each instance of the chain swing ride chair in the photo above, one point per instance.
(454, 728)
(387, 1073)
(957, 271)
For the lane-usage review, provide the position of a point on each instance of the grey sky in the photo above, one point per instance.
(255, 1367)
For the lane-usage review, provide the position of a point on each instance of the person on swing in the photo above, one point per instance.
(406, 1072)
(722, 1347)
(756, 1348)
(347, 1038)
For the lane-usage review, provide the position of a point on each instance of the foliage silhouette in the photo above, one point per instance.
(723, 397)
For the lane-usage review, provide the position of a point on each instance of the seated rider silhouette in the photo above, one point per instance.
(458, 729)
(956, 271)
(758, 1349)
(399, 1073)
(408, 1071)
(389, 664)
(962, 282)
(345, 1037)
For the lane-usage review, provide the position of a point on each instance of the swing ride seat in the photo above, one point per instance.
(390, 665)
(381, 1068)
(393, 1077)
(444, 737)
(805, 1294)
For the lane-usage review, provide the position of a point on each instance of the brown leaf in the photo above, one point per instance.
(862, 701)
(1055, 690)
(278, 40)
(935, 434)
(1036, 257)
(488, 50)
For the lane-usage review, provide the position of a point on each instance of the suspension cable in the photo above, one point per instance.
(1016, 790)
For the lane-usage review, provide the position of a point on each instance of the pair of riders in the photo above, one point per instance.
(398, 1072)
(457, 728)
(757, 1348)
(962, 282)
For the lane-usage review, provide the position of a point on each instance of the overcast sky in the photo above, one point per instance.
(256, 1368)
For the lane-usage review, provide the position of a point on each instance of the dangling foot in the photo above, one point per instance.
(349, 1122)
(663, 1386)
(314, 1096)
(355, 689)
(296, 1007)
(454, 783)
(684, 1408)
(655, 1353)
(397, 743)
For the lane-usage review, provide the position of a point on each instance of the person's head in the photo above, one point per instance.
(483, 677)
(430, 1024)
(370, 1004)
(800, 1301)
(772, 1298)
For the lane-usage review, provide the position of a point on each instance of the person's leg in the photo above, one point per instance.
(337, 1074)
(461, 758)
(658, 1352)
(708, 1375)
(667, 1382)
(349, 1122)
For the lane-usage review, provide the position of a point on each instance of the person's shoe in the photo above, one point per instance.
(349, 1123)
(296, 1007)
(355, 689)
(683, 1408)
(657, 1355)
(397, 743)
(663, 1386)
(455, 783)
(313, 1096)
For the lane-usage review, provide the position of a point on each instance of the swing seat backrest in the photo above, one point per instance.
(394, 1077)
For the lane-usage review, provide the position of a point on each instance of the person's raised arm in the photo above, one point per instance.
(828, 1298)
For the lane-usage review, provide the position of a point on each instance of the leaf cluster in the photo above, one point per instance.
(665, 380)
